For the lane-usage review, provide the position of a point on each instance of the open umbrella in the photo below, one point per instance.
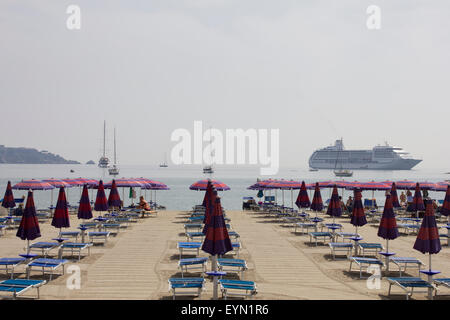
(217, 240)
(61, 214)
(29, 225)
(302, 198)
(388, 227)
(427, 240)
(417, 203)
(57, 183)
(8, 199)
(317, 204)
(114, 198)
(202, 184)
(334, 207)
(101, 203)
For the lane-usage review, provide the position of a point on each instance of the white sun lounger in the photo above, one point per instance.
(408, 284)
(361, 262)
(401, 261)
(346, 247)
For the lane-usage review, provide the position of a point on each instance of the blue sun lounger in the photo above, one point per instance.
(232, 265)
(74, 247)
(196, 219)
(399, 261)
(189, 247)
(372, 248)
(102, 237)
(111, 226)
(195, 226)
(304, 225)
(70, 234)
(11, 262)
(341, 247)
(46, 264)
(346, 235)
(237, 288)
(192, 264)
(409, 227)
(233, 234)
(18, 287)
(361, 262)
(318, 235)
(2, 229)
(44, 247)
(176, 284)
(441, 282)
(194, 235)
(408, 284)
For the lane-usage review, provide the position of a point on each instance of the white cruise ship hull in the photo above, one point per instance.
(400, 164)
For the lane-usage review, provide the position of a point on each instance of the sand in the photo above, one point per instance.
(138, 261)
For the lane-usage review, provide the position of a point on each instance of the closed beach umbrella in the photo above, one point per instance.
(302, 198)
(29, 225)
(358, 218)
(334, 207)
(417, 203)
(427, 240)
(445, 210)
(317, 203)
(208, 203)
(388, 226)
(8, 199)
(61, 214)
(395, 202)
(84, 209)
(114, 198)
(101, 203)
(217, 240)
(202, 184)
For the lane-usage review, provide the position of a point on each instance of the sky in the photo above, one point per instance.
(311, 69)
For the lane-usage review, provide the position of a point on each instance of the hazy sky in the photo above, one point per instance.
(310, 68)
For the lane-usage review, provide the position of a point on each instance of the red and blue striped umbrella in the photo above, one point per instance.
(202, 184)
(358, 218)
(428, 185)
(8, 199)
(442, 186)
(114, 198)
(73, 182)
(57, 183)
(372, 185)
(61, 214)
(334, 207)
(101, 203)
(388, 225)
(445, 210)
(33, 185)
(208, 204)
(395, 202)
(427, 240)
(302, 198)
(84, 209)
(417, 203)
(405, 185)
(29, 225)
(317, 203)
(91, 183)
(125, 183)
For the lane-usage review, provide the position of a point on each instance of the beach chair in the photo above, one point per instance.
(70, 234)
(361, 262)
(346, 235)
(233, 234)
(332, 226)
(232, 265)
(11, 263)
(196, 219)
(89, 225)
(401, 261)
(18, 287)
(190, 236)
(123, 221)
(98, 236)
(441, 282)
(192, 264)
(408, 284)
(236, 247)
(2, 229)
(237, 288)
(111, 227)
(409, 227)
(303, 226)
(370, 248)
(73, 248)
(44, 247)
(50, 265)
(193, 226)
(341, 247)
(177, 284)
(189, 247)
(320, 235)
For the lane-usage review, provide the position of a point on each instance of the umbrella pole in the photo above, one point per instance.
(387, 256)
(292, 199)
(430, 278)
(28, 247)
(282, 193)
(215, 282)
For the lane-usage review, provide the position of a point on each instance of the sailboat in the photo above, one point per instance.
(114, 170)
(104, 161)
(164, 164)
(341, 172)
(208, 168)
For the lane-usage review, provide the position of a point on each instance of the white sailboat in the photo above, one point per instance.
(208, 168)
(114, 170)
(341, 172)
(164, 164)
(104, 161)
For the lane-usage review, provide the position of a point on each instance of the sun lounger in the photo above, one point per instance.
(123, 221)
(196, 219)
(346, 235)
(89, 225)
(11, 262)
(332, 226)
(340, 247)
(74, 247)
(111, 226)
(303, 226)
(441, 282)
(192, 264)
(2, 229)
(237, 288)
(408, 284)
(46, 264)
(318, 235)
(70, 234)
(18, 287)
(176, 284)
(236, 247)
(232, 265)
(44, 247)
(190, 247)
(194, 235)
(399, 261)
(409, 227)
(195, 226)
(361, 262)
(373, 248)
(233, 234)
(98, 236)
(198, 214)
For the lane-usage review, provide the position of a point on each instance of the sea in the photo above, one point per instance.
(179, 178)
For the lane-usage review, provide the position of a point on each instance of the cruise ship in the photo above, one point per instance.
(379, 158)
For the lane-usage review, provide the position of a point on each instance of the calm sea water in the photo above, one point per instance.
(179, 178)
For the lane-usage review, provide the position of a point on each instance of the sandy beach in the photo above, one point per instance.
(138, 261)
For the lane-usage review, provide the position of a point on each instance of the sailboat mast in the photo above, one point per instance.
(114, 145)
(104, 138)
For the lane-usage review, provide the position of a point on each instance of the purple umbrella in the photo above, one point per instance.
(388, 226)
(317, 204)
(61, 215)
(29, 225)
(302, 198)
(334, 207)
(358, 218)
(8, 200)
(417, 203)
(101, 203)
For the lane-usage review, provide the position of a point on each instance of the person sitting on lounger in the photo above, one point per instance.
(143, 204)
(403, 199)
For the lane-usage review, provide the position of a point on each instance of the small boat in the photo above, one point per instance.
(164, 164)
(104, 161)
(71, 170)
(313, 169)
(114, 170)
(208, 169)
(343, 173)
